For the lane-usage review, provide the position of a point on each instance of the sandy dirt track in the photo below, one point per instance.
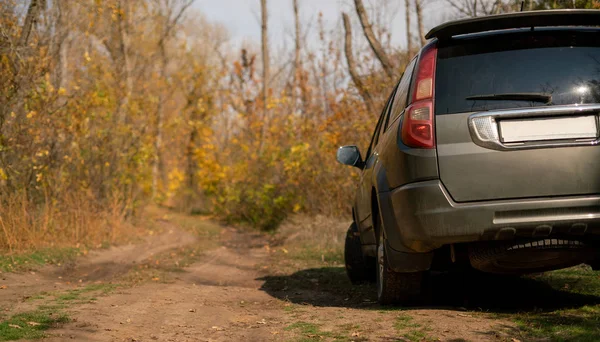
(229, 295)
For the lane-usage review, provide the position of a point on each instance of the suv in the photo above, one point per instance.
(486, 154)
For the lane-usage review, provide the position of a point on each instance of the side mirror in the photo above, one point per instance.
(350, 155)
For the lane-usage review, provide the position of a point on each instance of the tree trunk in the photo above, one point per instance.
(419, 11)
(409, 46)
(266, 75)
(296, 56)
(381, 55)
(125, 68)
(352, 66)
(30, 20)
(157, 166)
(265, 55)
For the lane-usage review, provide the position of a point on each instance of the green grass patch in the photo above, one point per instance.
(312, 332)
(78, 294)
(30, 325)
(580, 323)
(32, 260)
(411, 330)
(317, 255)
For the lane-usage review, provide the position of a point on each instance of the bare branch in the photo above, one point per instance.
(30, 19)
(352, 66)
(381, 55)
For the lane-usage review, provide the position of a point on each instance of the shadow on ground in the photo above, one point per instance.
(329, 286)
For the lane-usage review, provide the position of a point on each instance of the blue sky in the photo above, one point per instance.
(241, 17)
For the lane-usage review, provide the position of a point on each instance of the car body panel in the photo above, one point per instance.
(474, 173)
(427, 218)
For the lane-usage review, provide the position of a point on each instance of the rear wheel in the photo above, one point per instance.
(359, 268)
(394, 287)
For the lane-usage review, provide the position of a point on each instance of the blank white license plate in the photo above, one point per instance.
(582, 127)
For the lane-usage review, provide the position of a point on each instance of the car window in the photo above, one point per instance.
(381, 121)
(564, 65)
(401, 96)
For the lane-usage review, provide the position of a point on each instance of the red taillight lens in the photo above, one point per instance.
(417, 127)
(418, 124)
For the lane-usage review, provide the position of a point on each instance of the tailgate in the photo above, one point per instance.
(519, 154)
(496, 139)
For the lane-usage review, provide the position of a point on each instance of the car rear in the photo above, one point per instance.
(516, 121)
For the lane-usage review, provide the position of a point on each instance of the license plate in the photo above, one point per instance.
(572, 128)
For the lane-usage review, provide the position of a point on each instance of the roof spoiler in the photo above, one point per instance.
(568, 17)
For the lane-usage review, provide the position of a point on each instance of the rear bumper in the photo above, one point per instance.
(423, 217)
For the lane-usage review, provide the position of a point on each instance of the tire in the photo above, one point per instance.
(527, 256)
(395, 288)
(360, 269)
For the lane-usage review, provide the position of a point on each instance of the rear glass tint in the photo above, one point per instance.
(564, 64)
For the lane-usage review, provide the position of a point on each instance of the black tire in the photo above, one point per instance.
(360, 269)
(395, 288)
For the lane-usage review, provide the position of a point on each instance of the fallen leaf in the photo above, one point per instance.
(15, 326)
(192, 310)
(217, 328)
(34, 324)
(262, 321)
(3, 287)
(515, 340)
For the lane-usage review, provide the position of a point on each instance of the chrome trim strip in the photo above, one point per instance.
(483, 126)
(546, 218)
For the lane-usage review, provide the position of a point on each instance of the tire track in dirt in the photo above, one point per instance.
(221, 298)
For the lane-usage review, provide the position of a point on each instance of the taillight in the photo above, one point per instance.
(418, 124)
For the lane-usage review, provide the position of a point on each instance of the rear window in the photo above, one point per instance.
(564, 64)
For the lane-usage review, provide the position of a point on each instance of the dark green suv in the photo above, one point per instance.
(486, 154)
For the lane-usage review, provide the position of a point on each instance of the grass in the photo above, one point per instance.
(411, 330)
(78, 294)
(36, 259)
(312, 332)
(572, 323)
(30, 325)
(50, 313)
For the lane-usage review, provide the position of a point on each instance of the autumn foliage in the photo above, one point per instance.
(107, 106)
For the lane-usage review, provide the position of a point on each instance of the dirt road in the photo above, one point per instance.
(230, 293)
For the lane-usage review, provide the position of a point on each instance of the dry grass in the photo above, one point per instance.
(77, 220)
(317, 239)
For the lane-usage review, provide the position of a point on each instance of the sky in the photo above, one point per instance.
(242, 17)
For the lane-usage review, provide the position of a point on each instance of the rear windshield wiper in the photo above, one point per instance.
(534, 97)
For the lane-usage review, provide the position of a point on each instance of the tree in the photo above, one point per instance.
(352, 68)
(407, 11)
(378, 50)
(419, 12)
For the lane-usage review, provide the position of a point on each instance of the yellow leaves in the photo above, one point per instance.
(87, 57)
(31, 114)
(3, 175)
(62, 91)
(38, 177)
(176, 179)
